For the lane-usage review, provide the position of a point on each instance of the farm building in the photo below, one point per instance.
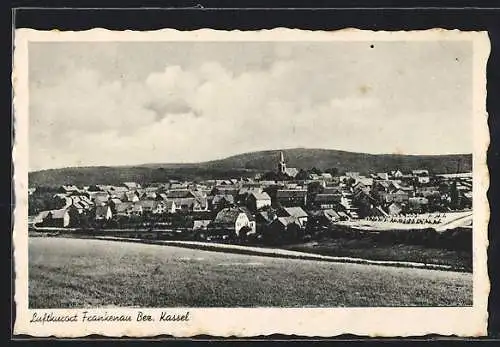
(234, 220)
(291, 197)
(256, 201)
(298, 213)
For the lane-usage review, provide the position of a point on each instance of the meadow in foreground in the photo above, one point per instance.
(81, 273)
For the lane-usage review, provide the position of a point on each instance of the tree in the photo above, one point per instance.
(43, 201)
(454, 196)
(269, 176)
(332, 171)
(313, 189)
(316, 171)
(302, 175)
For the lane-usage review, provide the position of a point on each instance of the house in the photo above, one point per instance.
(331, 215)
(79, 206)
(234, 219)
(99, 198)
(331, 190)
(80, 202)
(170, 206)
(103, 213)
(291, 197)
(422, 176)
(384, 186)
(295, 212)
(244, 192)
(395, 209)
(323, 218)
(327, 176)
(152, 206)
(150, 195)
(131, 185)
(179, 194)
(343, 216)
(137, 209)
(258, 200)
(383, 175)
(283, 223)
(396, 174)
(68, 189)
(201, 224)
(220, 201)
(225, 190)
(114, 202)
(314, 177)
(327, 201)
(200, 204)
(117, 190)
(191, 204)
(265, 217)
(284, 228)
(358, 186)
(352, 174)
(130, 196)
(40, 218)
(124, 209)
(57, 218)
(417, 204)
(183, 204)
(397, 196)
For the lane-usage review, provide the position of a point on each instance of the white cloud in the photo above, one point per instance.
(186, 114)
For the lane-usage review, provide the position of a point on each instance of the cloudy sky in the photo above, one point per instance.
(137, 102)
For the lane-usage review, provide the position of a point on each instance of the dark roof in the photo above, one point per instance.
(227, 216)
(184, 202)
(179, 193)
(418, 200)
(331, 190)
(230, 214)
(260, 196)
(286, 221)
(266, 216)
(169, 203)
(331, 213)
(291, 193)
(124, 206)
(131, 185)
(220, 197)
(296, 212)
(226, 190)
(328, 197)
(201, 223)
(148, 204)
(41, 216)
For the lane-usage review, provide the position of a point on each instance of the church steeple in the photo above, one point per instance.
(281, 164)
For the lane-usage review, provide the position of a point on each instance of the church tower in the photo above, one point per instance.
(281, 164)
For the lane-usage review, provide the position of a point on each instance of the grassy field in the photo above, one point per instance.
(81, 273)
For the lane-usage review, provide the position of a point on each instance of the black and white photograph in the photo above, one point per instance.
(279, 171)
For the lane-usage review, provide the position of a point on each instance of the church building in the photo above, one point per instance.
(288, 171)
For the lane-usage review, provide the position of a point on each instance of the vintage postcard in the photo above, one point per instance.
(233, 183)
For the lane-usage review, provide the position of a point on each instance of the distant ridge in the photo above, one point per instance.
(248, 164)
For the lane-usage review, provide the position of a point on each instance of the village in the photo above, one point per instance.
(284, 206)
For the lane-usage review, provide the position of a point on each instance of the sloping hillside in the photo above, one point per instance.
(250, 163)
(346, 161)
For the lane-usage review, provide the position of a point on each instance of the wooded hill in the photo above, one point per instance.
(248, 164)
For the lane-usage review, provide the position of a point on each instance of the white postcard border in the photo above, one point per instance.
(311, 322)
